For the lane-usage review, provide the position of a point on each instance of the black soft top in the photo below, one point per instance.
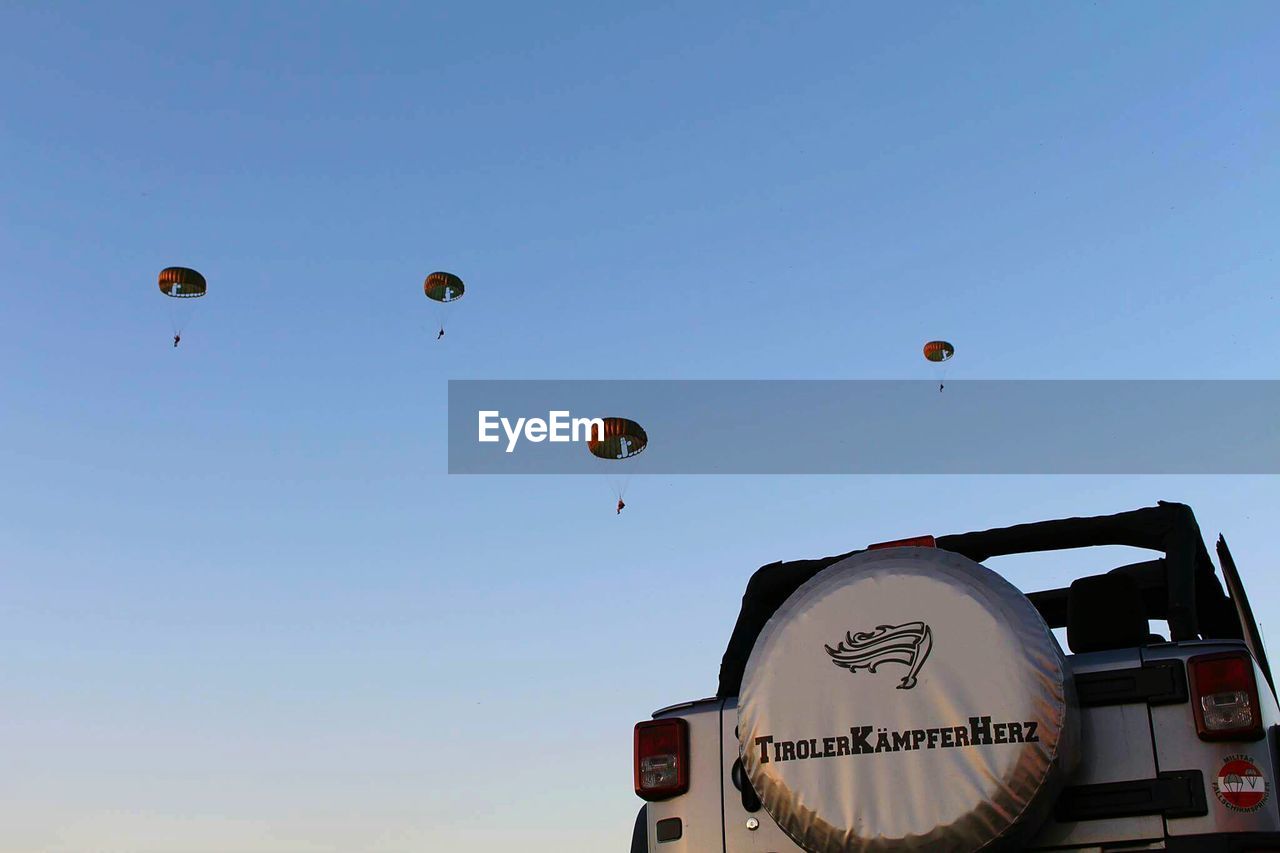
(1186, 591)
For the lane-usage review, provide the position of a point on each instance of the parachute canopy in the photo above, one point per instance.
(181, 282)
(938, 351)
(622, 439)
(443, 287)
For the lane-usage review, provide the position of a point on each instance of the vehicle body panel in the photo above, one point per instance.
(699, 810)
(1115, 747)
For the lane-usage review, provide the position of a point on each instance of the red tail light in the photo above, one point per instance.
(1224, 695)
(662, 758)
(917, 541)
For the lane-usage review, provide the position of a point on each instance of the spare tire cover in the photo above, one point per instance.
(907, 699)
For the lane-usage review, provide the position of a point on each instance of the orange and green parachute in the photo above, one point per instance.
(620, 439)
(938, 351)
(443, 287)
(182, 283)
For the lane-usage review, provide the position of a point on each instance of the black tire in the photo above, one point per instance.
(640, 834)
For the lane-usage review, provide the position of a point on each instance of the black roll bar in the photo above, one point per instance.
(1167, 527)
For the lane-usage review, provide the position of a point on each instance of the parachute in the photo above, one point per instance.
(619, 440)
(181, 283)
(444, 288)
(622, 439)
(939, 353)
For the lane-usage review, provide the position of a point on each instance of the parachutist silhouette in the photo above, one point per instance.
(621, 506)
(176, 338)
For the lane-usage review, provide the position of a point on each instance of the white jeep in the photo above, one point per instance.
(906, 697)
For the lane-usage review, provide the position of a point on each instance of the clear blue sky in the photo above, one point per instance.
(242, 607)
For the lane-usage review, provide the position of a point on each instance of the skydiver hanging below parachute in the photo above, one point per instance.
(180, 283)
(444, 288)
(939, 352)
(621, 440)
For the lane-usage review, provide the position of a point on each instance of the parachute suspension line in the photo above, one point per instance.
(180, 315)
(171, 311)
(442, 315)
(173, 315)
(619, 485)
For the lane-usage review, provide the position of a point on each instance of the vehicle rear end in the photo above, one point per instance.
(1155, 772)
(1177, 747)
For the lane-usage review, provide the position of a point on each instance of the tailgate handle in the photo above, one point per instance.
(1177, 793)
(1159, 683)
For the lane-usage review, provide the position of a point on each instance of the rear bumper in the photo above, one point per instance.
(1234, 842)
(1239, 842)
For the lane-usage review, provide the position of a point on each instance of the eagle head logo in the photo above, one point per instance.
(908, 644)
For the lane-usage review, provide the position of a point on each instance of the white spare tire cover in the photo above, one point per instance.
(907, 699)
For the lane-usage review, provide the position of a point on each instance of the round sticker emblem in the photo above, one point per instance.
(1240, 785)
